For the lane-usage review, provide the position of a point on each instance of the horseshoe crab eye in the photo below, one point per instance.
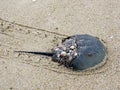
(90, 54)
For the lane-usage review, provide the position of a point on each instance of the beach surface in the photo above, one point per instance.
(39, 25)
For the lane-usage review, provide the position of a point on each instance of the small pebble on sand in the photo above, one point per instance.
(33, 0)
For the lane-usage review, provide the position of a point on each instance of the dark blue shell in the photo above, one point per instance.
(90, 51)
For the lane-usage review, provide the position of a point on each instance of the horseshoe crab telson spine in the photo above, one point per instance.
(50, 54)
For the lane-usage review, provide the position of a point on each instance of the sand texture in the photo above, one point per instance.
(39, 25)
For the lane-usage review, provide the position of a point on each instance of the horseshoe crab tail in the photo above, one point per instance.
(50, 54)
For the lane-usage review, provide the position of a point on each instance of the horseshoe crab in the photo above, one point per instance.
(79, 52)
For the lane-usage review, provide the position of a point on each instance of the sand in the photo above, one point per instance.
(38, 25)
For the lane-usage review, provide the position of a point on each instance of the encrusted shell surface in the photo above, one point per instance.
(82, 52)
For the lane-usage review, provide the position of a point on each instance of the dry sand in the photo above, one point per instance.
(38, 25)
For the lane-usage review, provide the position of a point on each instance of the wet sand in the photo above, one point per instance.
(39, 26)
